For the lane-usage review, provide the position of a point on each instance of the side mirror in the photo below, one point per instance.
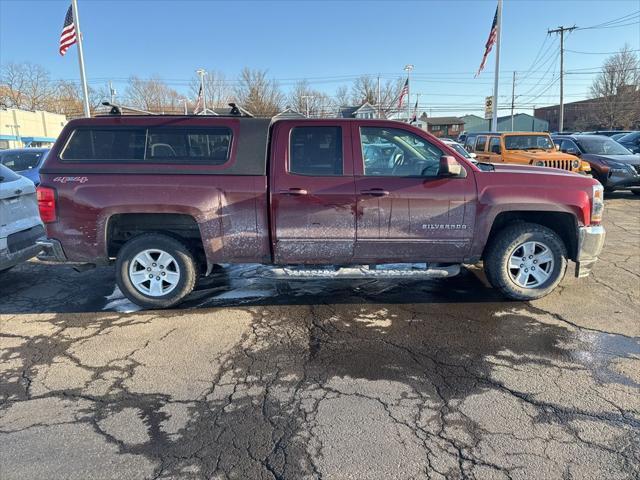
(449, 167)
(496, 149)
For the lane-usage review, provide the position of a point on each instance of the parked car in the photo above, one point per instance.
(25, 161)
(613, 165)
(630, 141)
(168, 197)
(20, 225)
(459, 148)
(524, 148)
(606, 133)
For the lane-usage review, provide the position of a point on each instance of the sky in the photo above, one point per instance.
(330, 43)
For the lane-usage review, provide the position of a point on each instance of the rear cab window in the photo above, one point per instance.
(181, 145)
(493, 143)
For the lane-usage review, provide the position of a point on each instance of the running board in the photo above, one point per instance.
(412, 271)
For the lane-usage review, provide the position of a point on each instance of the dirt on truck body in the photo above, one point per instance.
(169, 197)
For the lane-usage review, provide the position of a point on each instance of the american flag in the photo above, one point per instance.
(403, 92)
(199, 101)
(68, 35)
(414, 117)
(493, 35)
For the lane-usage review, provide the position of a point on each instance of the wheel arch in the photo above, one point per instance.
(562, 223)
(122, 227)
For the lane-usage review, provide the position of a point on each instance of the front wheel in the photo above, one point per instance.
(155, 271)
(525, 261)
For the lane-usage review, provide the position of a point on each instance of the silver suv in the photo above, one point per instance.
(20, 224)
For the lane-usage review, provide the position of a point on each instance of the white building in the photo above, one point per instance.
(23, 128)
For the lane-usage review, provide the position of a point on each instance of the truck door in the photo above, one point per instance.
(406, 212)
(312, 193)
(480, 148)
(494, 154)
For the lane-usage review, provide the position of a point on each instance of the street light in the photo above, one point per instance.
(408, 68)
(201, 73)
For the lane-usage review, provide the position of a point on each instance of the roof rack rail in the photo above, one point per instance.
(235, 111)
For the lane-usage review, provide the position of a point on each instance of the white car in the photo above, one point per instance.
(20, 224)
(458, 148)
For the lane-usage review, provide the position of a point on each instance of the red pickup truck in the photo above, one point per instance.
(169, 197)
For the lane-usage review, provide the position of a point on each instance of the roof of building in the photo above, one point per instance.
(441, 120)
(351, 111)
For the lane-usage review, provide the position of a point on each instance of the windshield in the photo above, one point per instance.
(526, 142)
(602, 146)
(460, 149)
(20, 161)
(630, 137)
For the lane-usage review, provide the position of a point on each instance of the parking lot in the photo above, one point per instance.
(253, 378)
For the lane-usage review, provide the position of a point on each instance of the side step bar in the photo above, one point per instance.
(413, 271)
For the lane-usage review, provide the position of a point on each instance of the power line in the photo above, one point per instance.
(598, 53)
(616, 22)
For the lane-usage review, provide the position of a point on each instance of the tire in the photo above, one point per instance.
(146, 252)
(519, 280)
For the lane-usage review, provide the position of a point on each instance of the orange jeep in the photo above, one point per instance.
(524, 148)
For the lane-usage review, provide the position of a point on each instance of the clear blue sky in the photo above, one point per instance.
(318, 40)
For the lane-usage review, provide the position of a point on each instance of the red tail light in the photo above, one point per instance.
(47, 204)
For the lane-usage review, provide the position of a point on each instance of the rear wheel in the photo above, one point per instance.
(526, 261)
(155, 271)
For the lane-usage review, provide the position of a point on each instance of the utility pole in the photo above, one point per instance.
(378, 95)
(307, 97)
(513, 97)
(201, 73)
(83, 75)
(112, 93)
(408, 68)
(561, 30)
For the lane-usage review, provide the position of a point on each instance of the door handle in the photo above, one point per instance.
(294, 191)
(375, 192)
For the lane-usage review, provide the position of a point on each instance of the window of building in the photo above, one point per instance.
(455, 128)
(435, 128)
(316, 151)
(397, 153)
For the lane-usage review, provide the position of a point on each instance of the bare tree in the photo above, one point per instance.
(25, 85)
(66, 99)
(342, 96)
(257, 94)
(303, 98)
(617, 89)
(365, 89)
(152, 95)
(216, 88)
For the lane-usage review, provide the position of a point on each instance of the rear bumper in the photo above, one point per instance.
(590, 243)
(51, 250)
(8, 260)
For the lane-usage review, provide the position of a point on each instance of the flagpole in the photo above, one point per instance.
(494, 116)
(83, 76)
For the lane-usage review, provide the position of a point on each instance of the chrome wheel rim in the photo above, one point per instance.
(530, 264)
(154, 272)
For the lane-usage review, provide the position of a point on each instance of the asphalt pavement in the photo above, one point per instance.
(253, 378)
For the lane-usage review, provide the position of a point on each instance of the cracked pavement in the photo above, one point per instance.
(255, 378)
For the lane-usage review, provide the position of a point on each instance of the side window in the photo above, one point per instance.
(105, 144)
(189, 145)
(494, 145)
(481, 142)
(397, 153)
(316, 151)
(468, 144)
